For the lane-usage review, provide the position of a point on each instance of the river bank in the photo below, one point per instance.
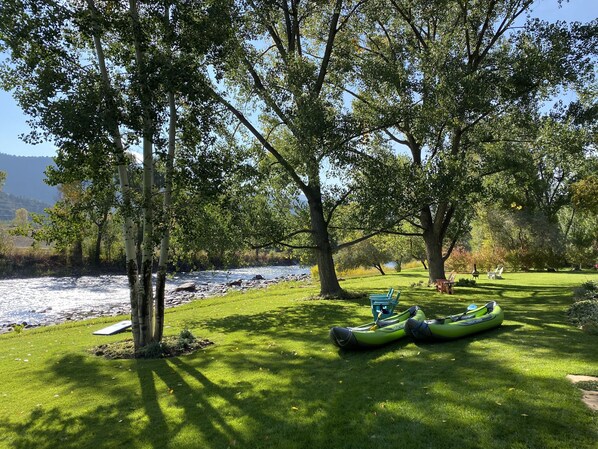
(28, 303)
(42, 262)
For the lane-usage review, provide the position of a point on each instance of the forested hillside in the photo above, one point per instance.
(10, 203)
(25, 178)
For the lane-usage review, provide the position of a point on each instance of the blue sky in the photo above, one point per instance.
(13, 123)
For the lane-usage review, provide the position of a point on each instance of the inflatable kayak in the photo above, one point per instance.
(473, 320)
(375, 333)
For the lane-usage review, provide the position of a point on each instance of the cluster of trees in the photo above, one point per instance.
(311, 125)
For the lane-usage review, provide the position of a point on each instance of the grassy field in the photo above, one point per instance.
(273, 379)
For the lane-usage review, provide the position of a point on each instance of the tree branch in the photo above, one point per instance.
(289, 26)
(451, 247)
(329, 45)
(411, 24)
(279, 157)
(348, 16)
(340, 201)
(264, 93)
(395, 139)
(354, 242)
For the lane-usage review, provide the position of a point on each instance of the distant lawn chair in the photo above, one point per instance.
(446, 285)
(383, 305)
(496, 274)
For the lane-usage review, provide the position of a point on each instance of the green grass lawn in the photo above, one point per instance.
(273, 379)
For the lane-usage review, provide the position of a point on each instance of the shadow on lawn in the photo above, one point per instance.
(277, 382)
(356, 400)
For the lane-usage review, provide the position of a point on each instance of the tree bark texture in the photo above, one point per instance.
(165, 243)
(123, 175)
(329, 285)
(434, 256)
(146, 297)
(433, 234)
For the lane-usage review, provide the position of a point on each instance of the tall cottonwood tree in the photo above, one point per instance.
(112, 75)
(441, 78)
(283, 68)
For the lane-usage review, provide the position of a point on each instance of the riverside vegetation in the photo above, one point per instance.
(273, 380)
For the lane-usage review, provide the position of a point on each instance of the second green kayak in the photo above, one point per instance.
(375, 334)
(469, 322)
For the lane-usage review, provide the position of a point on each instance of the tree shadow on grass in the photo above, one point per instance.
(396, 396)
(277, 382)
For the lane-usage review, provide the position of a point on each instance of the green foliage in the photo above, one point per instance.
(97, 89)
(512, 237)
(18, 328)
(9, 204)
(587, 291)
(584, 313)
(153, 350)
(458, 111)
(369, 253)
(590, 286)
(80, 218)
(585, 194)
(6, 242)
(544, 167)
(185, 340)
(462, 260)
(463, 282)
(581, 229)
(587, 385)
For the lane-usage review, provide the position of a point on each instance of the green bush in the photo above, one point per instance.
(185, 340)
(587, 290)
(584, 314)
(154, 350)
(590, 328)
(465, 282)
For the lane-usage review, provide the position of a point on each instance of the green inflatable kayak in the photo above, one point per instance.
(473, 320)
(375, 333)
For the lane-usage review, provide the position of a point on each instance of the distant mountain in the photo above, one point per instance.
(10, 203)
(25, 177)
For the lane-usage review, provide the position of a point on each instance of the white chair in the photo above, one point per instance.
(496, 274)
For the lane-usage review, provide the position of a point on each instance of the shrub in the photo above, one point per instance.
(584, 314)
(465, 282)
(590, 328)
(153, 350)
(489, 258)
(587, 290)
(460, 260)
(185, 340)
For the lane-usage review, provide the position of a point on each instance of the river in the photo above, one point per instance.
(48, 300)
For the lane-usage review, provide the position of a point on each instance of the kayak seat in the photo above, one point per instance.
(384, 323)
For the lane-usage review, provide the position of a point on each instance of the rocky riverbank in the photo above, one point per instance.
(181, 294)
